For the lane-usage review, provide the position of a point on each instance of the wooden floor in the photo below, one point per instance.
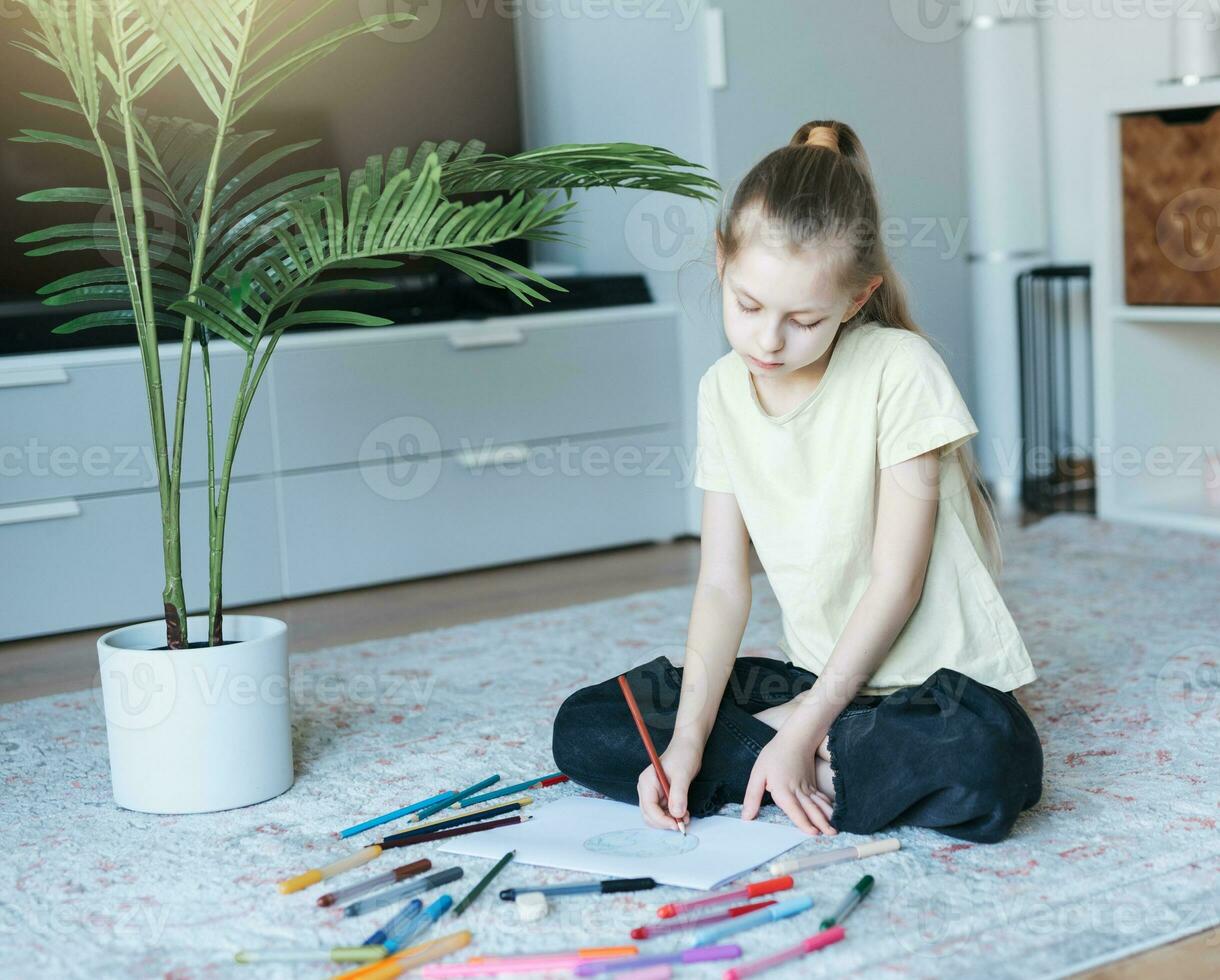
(68, 662)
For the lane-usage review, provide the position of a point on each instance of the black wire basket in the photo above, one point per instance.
(1054, 330)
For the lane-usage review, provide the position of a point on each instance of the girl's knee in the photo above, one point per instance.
(574, 742)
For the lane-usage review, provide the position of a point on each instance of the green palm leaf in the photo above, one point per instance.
(632, 165)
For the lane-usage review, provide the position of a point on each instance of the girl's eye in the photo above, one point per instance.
(805, 326)
(746, 309)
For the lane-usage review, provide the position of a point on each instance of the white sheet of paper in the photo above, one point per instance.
(606, 838)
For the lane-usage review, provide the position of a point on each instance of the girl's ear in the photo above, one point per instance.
(719, 259)
(858, 301)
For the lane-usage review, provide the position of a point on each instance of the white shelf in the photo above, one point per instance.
(1155, 367)
(1184, 512)
(1167, 314)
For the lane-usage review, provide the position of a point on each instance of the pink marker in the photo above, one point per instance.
(810, 944)
(753, 890)
(523, 964)
(661, 971)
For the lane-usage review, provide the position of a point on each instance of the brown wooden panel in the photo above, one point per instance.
(1171, 207)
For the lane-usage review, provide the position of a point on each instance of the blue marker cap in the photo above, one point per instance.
(439, 907)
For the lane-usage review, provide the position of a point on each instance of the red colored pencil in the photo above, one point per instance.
(455, 832)
(648, 746)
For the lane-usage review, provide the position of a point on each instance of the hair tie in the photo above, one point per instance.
(824, 136)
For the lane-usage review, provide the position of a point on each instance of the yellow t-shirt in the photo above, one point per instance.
(806, 483)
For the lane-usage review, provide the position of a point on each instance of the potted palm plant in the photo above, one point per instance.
(197, 706)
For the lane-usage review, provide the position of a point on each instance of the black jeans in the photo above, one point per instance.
(950, 754)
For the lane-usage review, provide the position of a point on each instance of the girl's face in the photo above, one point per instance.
(782, 309)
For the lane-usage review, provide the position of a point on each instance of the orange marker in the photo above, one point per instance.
(400, 962)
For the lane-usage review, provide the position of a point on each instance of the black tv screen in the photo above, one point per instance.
(451, 75)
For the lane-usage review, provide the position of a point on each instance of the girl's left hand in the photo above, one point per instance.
(785, 767)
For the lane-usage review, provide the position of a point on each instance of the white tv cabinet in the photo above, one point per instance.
(369, 456)
(1157, 368)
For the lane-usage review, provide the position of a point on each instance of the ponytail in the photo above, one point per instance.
(819, 190)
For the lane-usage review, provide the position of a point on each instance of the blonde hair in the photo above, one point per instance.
(819, 190)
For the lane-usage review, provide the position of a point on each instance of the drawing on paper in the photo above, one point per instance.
(641, 842)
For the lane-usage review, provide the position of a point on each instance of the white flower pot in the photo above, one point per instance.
(191, 731)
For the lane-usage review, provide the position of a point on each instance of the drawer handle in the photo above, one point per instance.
(29, 513)
(29, 379)
(494, 456)
(472, 339)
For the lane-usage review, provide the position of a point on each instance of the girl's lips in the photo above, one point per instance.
(764, 364)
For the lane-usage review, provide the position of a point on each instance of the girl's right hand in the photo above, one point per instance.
(681, 761)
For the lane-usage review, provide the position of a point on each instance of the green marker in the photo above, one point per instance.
(477, 890)
(854, 898)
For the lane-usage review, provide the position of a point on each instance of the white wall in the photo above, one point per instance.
(1086, 59)
(590, 79)
(595, 78)
(790, 62)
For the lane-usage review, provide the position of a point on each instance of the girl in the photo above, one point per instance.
(832, 436)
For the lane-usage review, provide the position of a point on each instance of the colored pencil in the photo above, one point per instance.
(428, 811)
(395, 814)
(648, 746)
(509, 790)
(473, 828)
(808, 945)
(352, 892)
(462, 816)
(477, 890)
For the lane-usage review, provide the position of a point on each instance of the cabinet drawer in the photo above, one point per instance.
(503, 379)
(96, 561)
(396, 520)
(81, 429)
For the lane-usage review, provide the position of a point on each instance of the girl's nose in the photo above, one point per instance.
(771, 341)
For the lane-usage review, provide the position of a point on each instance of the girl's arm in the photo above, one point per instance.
(907, 499)
(719, 612)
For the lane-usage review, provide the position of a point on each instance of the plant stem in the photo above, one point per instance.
(215, 527)
(173, 596)
(215, 547)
